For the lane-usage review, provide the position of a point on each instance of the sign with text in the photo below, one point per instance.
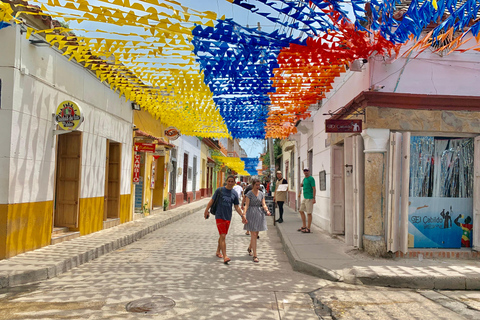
(136, 168)
(440, 222)
(69, 115)
(172, 133)
(144, 147)
(333, 126)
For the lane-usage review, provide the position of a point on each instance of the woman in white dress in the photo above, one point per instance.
(255, 201)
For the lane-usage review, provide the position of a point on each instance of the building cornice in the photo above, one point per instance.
(407, 101)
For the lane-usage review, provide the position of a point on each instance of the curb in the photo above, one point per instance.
(302, 265)
(433, 280)
(53, 260)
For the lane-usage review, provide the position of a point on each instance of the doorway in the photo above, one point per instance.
(67, 187)
(194, 178)
(337, 191)
(185, 176)
(111, 208)
(159, 182)
(173, 176)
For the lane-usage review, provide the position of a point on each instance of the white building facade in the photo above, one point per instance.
(77, 181)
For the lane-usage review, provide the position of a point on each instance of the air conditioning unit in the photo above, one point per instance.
(315, 106)
(357, 65)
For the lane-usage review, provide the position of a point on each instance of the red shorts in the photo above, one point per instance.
(222, 226)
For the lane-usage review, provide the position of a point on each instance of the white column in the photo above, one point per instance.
(375, 140)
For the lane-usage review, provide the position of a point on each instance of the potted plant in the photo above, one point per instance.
(165, 204)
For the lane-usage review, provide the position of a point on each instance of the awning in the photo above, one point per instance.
(407, 101)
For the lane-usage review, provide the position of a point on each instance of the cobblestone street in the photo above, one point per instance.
(176, 262)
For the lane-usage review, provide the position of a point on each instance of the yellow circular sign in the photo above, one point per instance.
(69, 115)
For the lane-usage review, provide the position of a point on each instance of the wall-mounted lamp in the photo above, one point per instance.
(39, 43)
(348, 169)
(135, 106)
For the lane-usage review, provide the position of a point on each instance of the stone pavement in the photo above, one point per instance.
(317, 254)
(50, 261)
(173, 273)
(328, 257)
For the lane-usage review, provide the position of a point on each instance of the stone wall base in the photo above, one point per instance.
(375, 246)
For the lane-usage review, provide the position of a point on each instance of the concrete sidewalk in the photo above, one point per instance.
(328, 257)
(50, 261)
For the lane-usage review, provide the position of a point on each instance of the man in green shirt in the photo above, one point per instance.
(309, 193)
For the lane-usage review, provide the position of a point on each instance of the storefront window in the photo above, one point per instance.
(441, 167)
(441, 190)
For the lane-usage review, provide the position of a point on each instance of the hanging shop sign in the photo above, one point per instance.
(136, 168)
(333, 126)
(144, 147)
(172, 133)
(68, 115)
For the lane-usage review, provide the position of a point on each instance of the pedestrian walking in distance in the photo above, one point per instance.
(255, 217)
(309, 192)
(223, 215)
(239, 190)
(280, 196)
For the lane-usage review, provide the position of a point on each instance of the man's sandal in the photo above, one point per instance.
(219, 255)
(249, 251)
(255, 259)
(301, 229)
(306, 230)
(227, 260)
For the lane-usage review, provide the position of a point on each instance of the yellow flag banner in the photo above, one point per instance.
(143, 52)
(234, 163)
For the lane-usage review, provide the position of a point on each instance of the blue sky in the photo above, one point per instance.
(252, 147)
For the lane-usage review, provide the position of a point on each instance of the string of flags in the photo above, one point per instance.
(251, 165)
(210, 76)
(234, 163)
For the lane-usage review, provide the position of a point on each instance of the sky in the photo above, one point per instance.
(253, 147)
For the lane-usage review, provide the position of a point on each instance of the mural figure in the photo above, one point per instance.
(466, 228)
(447, 220)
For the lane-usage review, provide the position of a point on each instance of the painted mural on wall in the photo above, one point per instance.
(440, 222)
(441, 192)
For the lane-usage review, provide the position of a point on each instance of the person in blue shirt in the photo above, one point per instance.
(223, 215)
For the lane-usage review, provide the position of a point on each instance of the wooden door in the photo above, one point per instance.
(476, 195)
(337, 196)
(185, 176)
(173, 181)
(358, 190)
(194, 178)
(114, 174)
(405, 190)
(299, 181)
(393, 195)
(287, 171)
(105, 197)
(67, 190)
(349, 189)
